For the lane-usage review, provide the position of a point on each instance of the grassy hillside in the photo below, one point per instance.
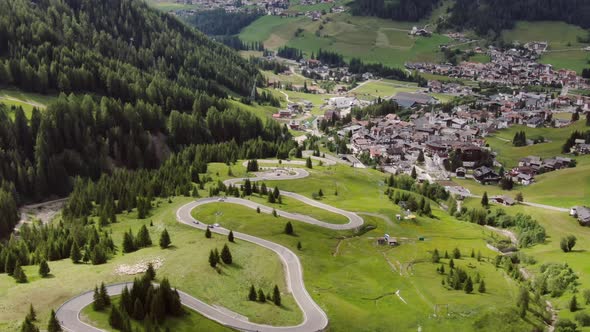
(557, 225)
(372, 39)
(501, 142)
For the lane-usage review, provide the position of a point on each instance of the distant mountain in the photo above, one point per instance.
(117, 48)
(483, 16)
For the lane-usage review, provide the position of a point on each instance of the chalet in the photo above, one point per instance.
(460, 172)
(387, 240)
(486, 175)
(504, 200)
(582, 213)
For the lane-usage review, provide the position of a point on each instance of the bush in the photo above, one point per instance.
(583, 318)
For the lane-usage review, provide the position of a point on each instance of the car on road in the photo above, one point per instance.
(216, 225)
(195, 222)
(221, 199)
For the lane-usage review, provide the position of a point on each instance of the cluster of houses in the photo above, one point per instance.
(293, 110)
(508, 67)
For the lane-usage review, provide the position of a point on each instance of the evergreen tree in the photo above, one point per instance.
(451, 264)
(482, 287)
(116, 319)
(258, 209)
(299, 247)
(276, 296)
(150, 272)
(98, 304)
(468, 288)
(261, 296)
(75, 254)
(308, 163)
(484, 200)
(18, 274)
(208, 233)
(226, 255)
(143, 238)
(230, 236)
(28, 326)
(289, 228)
(212, 259)
(276, 193)
(138, 312)
(435, 256)
(421, 157)
(573, 304)
(165, 239)
(128, 242)
(106, 299)
(252, 293)
(32, 315)
(456, 253)
(53, 325)
(320, 193)
(414, 175)
(44, 269)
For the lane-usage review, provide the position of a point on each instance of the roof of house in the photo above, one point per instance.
(418, 98)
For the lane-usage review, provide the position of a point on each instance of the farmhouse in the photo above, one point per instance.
(387, 240)
(504, 200)
(485, 175)
(582, 213)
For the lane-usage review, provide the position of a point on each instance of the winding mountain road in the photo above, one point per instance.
(315, 319)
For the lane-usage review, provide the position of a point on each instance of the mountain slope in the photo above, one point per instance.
(118, 48)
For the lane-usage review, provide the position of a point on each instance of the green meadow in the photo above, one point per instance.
(372, 39)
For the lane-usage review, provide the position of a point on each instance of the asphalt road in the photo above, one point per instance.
(315, 319)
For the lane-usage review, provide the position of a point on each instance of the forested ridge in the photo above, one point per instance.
(118, 48)
(137, 89)
(486, 17)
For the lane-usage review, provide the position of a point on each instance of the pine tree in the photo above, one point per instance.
(414, 175)
(44, 269)
(128, 242)
(212, 259)
(75, 254)
(573, 305)
(18, 274)
(226, 255)
(258, 209)
(252, 294)
(435, 256)
(150, 272)
(106, 299)
(308, 163)
(208, 233)
(261, 296)
(276, 296)
(484, 200)
(472, 253)
(482, 287)
(164, 239)
(299, 247)
(138, 312)
(32, 315)
(115, 319)
(289, 228)
(53, 325)
(468, 288)
(456, 253)
(98, 304)
(230, 236)
(28, 326)
(143, 238)
(451, 264)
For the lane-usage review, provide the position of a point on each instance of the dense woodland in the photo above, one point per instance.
(402, 10)
(117, 48)
(156, 88)
(491, 16)
(218, 22)
(486, 17)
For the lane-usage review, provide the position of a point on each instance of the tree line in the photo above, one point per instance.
(218, 22)
(403, 10)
